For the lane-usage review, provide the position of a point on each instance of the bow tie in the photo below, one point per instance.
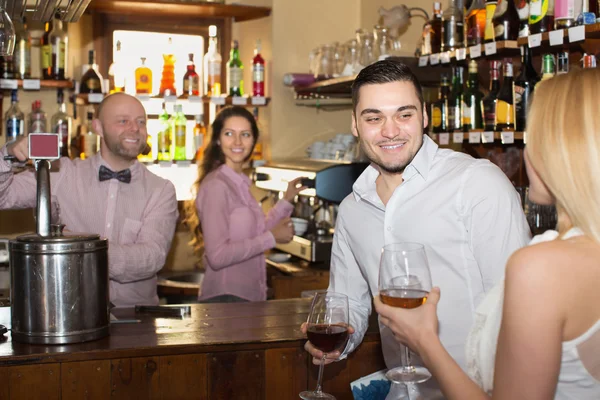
(106, 174)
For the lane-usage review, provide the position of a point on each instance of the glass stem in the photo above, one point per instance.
(320, 379)
(407, 362)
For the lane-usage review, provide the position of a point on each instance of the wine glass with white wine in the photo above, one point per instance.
(405, 281)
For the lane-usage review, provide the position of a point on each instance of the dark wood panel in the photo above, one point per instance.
(4, 383)
(85, 380)
(286, 373)
(236, 375)
(183, 377)
(135, 378)
(289, 287)
(33, 382)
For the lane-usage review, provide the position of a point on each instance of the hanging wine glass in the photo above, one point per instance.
(7, 33)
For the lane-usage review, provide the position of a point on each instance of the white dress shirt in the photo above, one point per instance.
(463, 210)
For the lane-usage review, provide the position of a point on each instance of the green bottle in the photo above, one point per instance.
(472, 115)
(178, 122)
(163, 146)
(235, 82)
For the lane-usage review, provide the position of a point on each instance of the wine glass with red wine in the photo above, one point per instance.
(327, 330)
(405, 281)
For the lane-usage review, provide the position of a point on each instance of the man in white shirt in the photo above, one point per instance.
(463, 210)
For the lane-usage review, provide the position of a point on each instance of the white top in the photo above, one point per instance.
(574, 381)
(465, 212)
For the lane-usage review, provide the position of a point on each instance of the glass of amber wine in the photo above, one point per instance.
(405, 281)
(327, 330)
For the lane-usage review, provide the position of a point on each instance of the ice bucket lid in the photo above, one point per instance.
(71, 242)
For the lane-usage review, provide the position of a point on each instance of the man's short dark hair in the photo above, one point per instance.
(385, 71)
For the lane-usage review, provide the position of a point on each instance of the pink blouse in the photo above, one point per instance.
(236, 234)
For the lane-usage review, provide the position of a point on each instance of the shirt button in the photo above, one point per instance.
(108, 225)
(389, 228)
(112, 196)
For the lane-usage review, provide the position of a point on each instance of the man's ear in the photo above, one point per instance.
(425, 116)
(97, 127)
(353, 128)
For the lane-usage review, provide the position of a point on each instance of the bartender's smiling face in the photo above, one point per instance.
(389, 121)
(236, 141)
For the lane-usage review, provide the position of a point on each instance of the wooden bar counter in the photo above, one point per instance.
(222, 351)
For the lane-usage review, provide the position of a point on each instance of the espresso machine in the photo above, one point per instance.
(328, 183)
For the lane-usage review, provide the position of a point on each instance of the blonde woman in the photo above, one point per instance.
(536, 335)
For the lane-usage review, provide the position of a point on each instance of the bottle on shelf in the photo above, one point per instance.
(61, 123)
(143, 79)
(37, 118)
(46, 52)
(15, 119)
(562, 62)
(91, 81)
(60, 45)
(200, 139)
(90, 141)
(506, 21)
(453, 31)
(22, 52)
(179, 130)
(472, 115)
(488, 104)
(191, 79)
(7, 68)
(212, 65)
(163, 145)
(523, 11)
(432, 32)
(541, 16)
(523, 87)
(235, 78)
(476, 16)
(258, 72)
(505, 111)
(167, 81)
(548, 67)
(116, 71)
(490, 9)
(455, 100)
(439, 112)
(588, 61)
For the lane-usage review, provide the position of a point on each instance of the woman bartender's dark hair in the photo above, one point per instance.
(213, 159)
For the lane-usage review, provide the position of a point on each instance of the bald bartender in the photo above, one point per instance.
(110, 194)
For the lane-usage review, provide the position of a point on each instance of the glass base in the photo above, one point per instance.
(408, 374)
(315, 395)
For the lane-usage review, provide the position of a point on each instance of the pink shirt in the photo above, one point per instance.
(137, 218)
(236, 235)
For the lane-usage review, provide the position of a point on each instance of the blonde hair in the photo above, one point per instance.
(563, 144)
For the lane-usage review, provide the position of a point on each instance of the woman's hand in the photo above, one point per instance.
(414, 327)
(283, 232)
(293, 189)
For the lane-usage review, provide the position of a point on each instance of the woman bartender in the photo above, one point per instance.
(227, 218)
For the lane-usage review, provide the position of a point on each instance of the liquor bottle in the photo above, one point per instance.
(505, 105)
(167, 81)
(588, 61)
(523, 87)
(455, 100)
(235, 81)
(490, 9)
(564, 13)
(7, 67)
(191, 80)
(90, 141)
(37, 118)
(46, 52)
(22, 53)
(178, 127)
(562, 62)
(523, 11)
(258, 72)
(488, 104)
(548, 67)
(116, 72)
(541, 16)
(164, 136)
(199, 137)
(476, 23)
(60, 45)
(15, 119)
(143, 79)
(432, 32)
(439, 112)
(91, 81)
(453, 31)
(472, 115)
(506, 21)
(212, 65)
(61, 123)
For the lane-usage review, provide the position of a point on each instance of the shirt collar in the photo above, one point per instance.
(237, 178)
(364, 187)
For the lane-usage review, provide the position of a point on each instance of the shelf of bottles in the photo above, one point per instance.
(501, 49)
(479, 137)
(153, 103)
(34, 84)
(560, 37)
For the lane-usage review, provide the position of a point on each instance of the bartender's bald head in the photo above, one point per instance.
(112, 102)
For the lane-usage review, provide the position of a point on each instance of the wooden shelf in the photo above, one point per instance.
(182, 9)
(591, 32)
(43, 84)
(325, 102)
(494, 50)
(479, 136)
